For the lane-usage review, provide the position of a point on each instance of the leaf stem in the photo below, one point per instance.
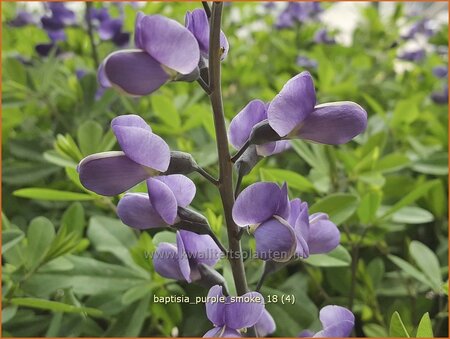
(207, 176)
(244, 147)
(206, 8)
(225, 165)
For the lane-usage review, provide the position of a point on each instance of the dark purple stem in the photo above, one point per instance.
(225, 164)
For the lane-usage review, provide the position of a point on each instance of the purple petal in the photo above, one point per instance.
(272, 148)
(101, 76)
(242, 124)
(222, 332)
(182, 188)
(109, 28)
(141, 145)
(256, 203)
(337, 321)
(130, 120)
(135, 210)
(302, 232)
(334, 123)
(111, 173)
(134, 72)
(163, 200)
(201, 248)
(275, 240)
(293, 104)
(169, 42)
(244, 312)
(306, 334)
(138, 30)
(265, 325)
(183, 260)
(284, 206)
(58, 35)
(324, 236)
(165, 261)
(197, 23)
(215, 311)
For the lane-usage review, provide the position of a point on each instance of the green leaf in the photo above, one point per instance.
(368, 207)
(412, 215)
(427, 261)
(8, 313)
(54, 306)
(73, 219)
(52, 195)
(10, 238)
(40, 235)
(391, 163)
(294, 180)
(339, 257)
(89, 136)
(411, 197)
(338, 206)
(425, 329)
(410, 270)
(112, 236)
(59, 159)
(437, 164)
(396, 328)
(88, 277)
(165, 110)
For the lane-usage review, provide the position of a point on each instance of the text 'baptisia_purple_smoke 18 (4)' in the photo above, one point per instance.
(283, 228)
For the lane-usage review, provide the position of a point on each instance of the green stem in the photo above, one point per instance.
(225, 165)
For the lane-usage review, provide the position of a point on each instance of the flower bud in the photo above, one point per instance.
(247, 161)
(210, 277)
(192, 221)
(191, 77)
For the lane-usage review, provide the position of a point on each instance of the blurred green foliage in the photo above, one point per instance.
(70, 268)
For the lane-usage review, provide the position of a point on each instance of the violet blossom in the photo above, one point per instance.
(164, 49)
(181, 261)
(281, 227)
(229, 316)
(242, 124)
(412, 55)
(293, 114)
(298, 12)
(322, 36)
(197, 23)
(160, 206)
(144, 154)
(337, 322)
(23, 18)
(305, 62)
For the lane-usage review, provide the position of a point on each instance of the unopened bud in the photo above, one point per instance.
(209, 277)
(192, 221)
(247, 161)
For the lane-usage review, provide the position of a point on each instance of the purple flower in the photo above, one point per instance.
(100, 14)
(80, 73)
(440, 97)
(440, 71)
(164, 49)
(62, 13)
(265, 325)
(47, 48)
(229, 314)
(293, 114)
(412, 55)
(297, 12)
(420, 27)
(111, 29)
(197, 23)
(160, 206)
(281, 227)
(22, 18)
(181, 261)
(242, 124)
(306, 62)
(337, 322)
(143, 155)
(322, 37)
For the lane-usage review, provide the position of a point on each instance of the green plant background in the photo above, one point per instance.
(70, 268)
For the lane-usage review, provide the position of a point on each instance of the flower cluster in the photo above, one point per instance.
(109, 29)
(283, 228)
(165, 51)
(440, 97)
(298, 12)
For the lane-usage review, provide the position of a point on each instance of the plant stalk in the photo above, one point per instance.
(91, 34)
(225, 165)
